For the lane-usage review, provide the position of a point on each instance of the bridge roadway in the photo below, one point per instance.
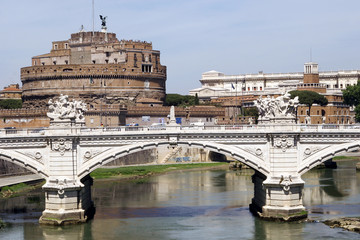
(279, 154)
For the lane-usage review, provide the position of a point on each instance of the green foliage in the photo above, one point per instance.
(15, 188)
(357, 113)
(336, 158)
(197, 102)
(180, 100)
(102, 173)
(309, 98)
(352, 95)
(352, 98)
(2, 224)
(10, 103)
(9, 191)
(252, 111)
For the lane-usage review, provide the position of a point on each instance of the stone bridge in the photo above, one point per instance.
(65, 155)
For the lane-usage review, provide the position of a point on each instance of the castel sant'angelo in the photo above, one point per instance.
(121, 81)
(97, 68)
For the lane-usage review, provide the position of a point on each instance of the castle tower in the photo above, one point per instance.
(311, 72)
(97, 68)
(311, 79)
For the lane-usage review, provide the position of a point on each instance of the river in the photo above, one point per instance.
(197, 204)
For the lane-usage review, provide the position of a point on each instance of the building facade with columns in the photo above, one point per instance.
(237, 91)
(215, 84)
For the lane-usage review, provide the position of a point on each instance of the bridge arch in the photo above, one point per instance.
(326, 154)
(110, 155)
(24, 161)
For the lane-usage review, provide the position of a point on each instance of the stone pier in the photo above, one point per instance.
(67, 202)
(277, 198)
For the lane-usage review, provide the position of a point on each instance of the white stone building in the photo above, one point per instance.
(216, 84)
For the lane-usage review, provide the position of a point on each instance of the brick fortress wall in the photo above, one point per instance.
(92, 67)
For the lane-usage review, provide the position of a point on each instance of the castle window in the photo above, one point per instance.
(43, 63)
(94, 61)
(66, 62)
(107, 54)
(115, 60)
(341, 86)
(106, 61)
(66, 46)
(146, 68)
(248, 88)
(260, 88)
(55, 46)
(128, 83)
(54, 62)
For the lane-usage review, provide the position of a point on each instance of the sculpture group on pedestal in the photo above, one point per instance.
(281, 109)
(63, 109)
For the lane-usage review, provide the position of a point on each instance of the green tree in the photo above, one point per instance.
(252, 112)
(196, 99)
(173, 99)
(309, 98)
(180, 100)
(352, 98)
(10, 103)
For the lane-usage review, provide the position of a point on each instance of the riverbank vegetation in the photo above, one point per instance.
(346, 158)
(17, 189)
(144, 171)
(2, 224)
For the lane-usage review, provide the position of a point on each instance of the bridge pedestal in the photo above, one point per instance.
(67, 201)
(278, 198)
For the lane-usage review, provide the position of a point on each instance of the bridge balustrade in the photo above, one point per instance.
(246, 127)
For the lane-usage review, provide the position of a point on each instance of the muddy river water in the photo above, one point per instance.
(197, 204)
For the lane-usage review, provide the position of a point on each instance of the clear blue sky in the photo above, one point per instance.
(194, 36)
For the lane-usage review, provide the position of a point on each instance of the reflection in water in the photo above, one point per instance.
(326, 188)
(329, 186)
(193, 205)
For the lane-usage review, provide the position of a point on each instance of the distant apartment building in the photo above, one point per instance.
(237, 91)
(13, 91)
(216, 84)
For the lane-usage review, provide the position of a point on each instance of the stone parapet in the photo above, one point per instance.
(85, 70)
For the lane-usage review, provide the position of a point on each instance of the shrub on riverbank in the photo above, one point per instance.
(14, 190)
(140, 171)
(2, 224)
(345, 158)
